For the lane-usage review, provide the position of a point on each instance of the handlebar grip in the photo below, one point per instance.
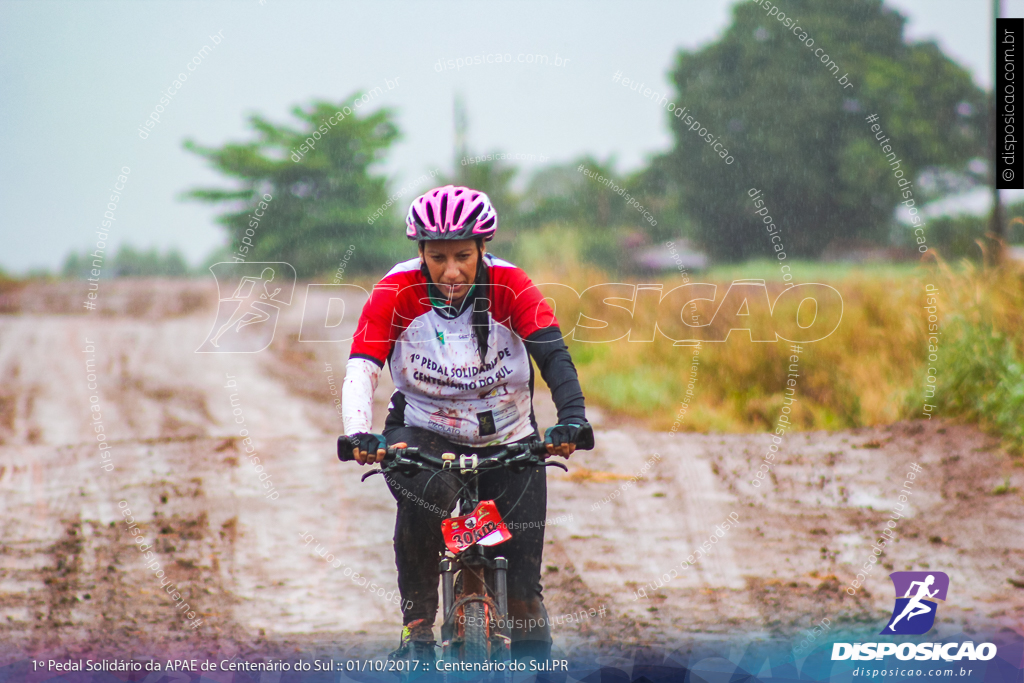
(407, 452)
(538, 448)
(586, 439)
(390, 456)
(344, 449)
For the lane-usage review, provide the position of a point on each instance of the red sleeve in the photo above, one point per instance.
(394, 303)
(518, 303)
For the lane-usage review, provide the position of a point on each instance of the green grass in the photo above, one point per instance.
(981, 378)
(1003, 488)
(871, 371)
(805, 271)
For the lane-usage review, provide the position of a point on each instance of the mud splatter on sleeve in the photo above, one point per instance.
(361, 377)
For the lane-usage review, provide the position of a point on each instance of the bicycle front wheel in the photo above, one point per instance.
(475, 643)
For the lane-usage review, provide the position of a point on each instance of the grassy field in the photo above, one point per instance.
(872, 370)
(806, 271)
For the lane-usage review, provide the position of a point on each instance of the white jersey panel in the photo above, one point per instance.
(436, 365)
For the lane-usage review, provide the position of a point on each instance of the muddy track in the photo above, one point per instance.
(72, 580)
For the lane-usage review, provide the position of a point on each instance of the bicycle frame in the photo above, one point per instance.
(473, 565)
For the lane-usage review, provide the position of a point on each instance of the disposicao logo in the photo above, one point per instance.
(950, 652)
(914, 614)
(247, 317)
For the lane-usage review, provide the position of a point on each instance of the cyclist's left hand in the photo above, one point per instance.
(368, 448)
(562, 439)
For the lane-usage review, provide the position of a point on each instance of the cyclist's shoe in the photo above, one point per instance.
(417, 644)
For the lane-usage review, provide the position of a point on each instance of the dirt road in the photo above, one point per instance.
(71, 578)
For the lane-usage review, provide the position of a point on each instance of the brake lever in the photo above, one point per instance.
(520, 463)
(556, 464)
(370, 474)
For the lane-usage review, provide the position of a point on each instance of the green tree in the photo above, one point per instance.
(74, 267)
(597, 208)
(321, 197)
(563, 193)
(493, 177)
(655, 187)
(128, 262)
(801, 137)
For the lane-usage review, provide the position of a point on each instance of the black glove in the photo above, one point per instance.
(364, 441)
(582, 435)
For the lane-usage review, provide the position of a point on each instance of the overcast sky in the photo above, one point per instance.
(80, 78)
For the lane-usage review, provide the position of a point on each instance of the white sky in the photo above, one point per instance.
(79, 78)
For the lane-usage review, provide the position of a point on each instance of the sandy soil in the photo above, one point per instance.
(71, 579)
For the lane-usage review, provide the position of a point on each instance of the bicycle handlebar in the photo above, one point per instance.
(517, 456)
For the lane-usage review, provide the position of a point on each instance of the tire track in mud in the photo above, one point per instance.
(567, 593)
(650, 504)
(89, 588)
(152, 377)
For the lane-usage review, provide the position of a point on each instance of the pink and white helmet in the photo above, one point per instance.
(451, 213)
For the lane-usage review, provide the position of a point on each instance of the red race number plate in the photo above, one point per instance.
(483, 526)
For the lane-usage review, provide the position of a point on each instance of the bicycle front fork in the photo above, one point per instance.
(448, 569)
(501, 597)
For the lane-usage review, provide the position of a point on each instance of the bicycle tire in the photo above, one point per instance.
(475, 641)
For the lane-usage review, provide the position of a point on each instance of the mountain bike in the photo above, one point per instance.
(476, 627)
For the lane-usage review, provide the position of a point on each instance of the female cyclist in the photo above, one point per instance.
(458, 328)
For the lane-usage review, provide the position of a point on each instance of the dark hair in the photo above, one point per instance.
(481, 302)
(479, 243)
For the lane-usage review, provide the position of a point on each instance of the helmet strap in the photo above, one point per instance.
(481, 321)
(481, 302)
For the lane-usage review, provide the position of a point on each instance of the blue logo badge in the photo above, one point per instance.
(914, 613)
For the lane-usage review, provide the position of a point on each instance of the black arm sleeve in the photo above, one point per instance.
(548, 350)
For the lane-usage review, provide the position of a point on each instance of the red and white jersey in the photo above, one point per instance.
(435, 362)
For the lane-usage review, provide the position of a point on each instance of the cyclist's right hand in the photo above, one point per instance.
(368, 448)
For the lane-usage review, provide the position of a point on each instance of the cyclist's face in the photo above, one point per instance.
(452, 263)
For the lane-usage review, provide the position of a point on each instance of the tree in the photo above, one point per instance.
(491, 176)
(612, 214)
(131, 262)
(563, 193)
(74, 267)
(128, 262)
(799, 135)
(320, 196)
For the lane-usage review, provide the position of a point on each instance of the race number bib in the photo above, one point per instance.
(484, 526)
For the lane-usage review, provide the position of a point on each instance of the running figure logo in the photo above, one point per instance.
(247, 319)
(914, 613)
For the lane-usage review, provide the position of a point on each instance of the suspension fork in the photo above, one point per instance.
(474, 564)
(501, 597)
(474, 580)
(447, 568)
(473, 558)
